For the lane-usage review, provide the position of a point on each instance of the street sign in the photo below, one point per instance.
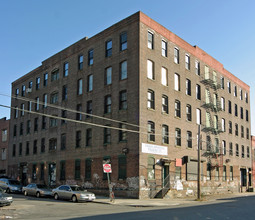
(107, 168)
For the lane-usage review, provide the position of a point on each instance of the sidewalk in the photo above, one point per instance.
(171, 202)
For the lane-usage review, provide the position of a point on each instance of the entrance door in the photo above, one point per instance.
(166, 177)
(243, 177)
(52, 174)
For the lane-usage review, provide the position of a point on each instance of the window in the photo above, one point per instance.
(230, 127)
(63, 115)
(150, 99)
(188, 87)
(79, 87)
(198, 92)
(215, 120)
(242, 131)
(107, 136)
(235, 91)
(36, 124)
(236, 110)
(34, 172)
(30, 85)
(189, 139)
(78, 113)
(22, 107)
(108, 48)
(78, 139)
(165, 136)
(164, 48)
(246, 97)
(229, 107)
(151, 168)
(14, 130)
(165, 104)
(198, 113)
(63, 142)
(14, 150)
(223, 125)
(16, 112)
(150, 70)
(107, 104)
(222, 101)
(53, 144)
(23, 90)
(176, 55)
(29, 106)
(45, 98)
(122, 133)
(150, 40)
(217, 145)
(37, 85)
(164, 77)
(53, 122)
(66, 67)
(151, 131)
(43, 122)
(88, 169)
(45, 79)
(224, 176)
(17, 92)
(223, 143)
(62, 170)
(247, 133)
(241, 94)
(177, 82)
(27, 148)
(64, 92)
(89, 108)
(236, 129)
(55, 75)
(54, 98)
(248, 152)
(20, 149)
(237, 150)
(187, 62)
(77, 169)
(217, 173)
(242, 151)
(177, 106)
(123, 41)
(42, 145)
(122, 167)
(108, 76)
(188, 113)
(222, 82)
(123, 70)
(231, 175)
(247, 115)
(208, 172)
(21, 129)
(241, 112)
(123, 100)
(80, 62)
(177, 137)
(89, 137)
(37, 104)
(90, 57)
(90, 83)
(4, 135)
(230, 149)
(229, 86)
(35, 147)
(197, 67)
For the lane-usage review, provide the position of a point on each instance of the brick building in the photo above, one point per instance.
(4, 142)
(253, 160)
(133, 94)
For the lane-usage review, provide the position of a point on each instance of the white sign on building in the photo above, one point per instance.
(154, 149)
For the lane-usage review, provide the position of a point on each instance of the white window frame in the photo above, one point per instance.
(164, 76)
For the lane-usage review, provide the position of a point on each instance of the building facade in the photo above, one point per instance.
(4, 142)
(135, 96)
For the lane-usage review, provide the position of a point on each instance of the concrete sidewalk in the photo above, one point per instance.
(172, 202)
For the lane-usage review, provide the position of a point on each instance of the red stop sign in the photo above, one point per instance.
(107, 168)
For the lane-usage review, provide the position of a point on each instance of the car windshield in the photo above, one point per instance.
(14, 182)
(76, 188)
(42, 186)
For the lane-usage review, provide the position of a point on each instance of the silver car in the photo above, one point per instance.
(38, 190)
(4, 199)
(9, 185)
(72, 192)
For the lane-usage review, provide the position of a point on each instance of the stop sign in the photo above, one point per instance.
(107, 168)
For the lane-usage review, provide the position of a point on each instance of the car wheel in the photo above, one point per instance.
(38, 195)
(25, 193)
(8, 190)
(56, 197)
(74, 198)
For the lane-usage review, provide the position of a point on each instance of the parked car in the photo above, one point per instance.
(38, 190)
(73, 192)
(10, 185)
(5, 199)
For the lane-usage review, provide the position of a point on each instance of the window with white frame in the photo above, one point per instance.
(187, 62)
(176, 55)
(197, 67)
(223, 125)
(198, 113)
(222, 101)
(164, 48)
(150, 99)
(189, 139)
(223, 143)
(165, 139)
(164, 76)
(177, 137)
(229, 86)
(177, 82)
(222, 82)
(79, 85)
(108, 76)
(66, 67)
(22, 109)
(188, 87)
(151, 131)
(177, 106)
(241, 94)
(188, 113)
(198, 92)
(164, 104)
(150, 40)
(150, 69)
(235, 91)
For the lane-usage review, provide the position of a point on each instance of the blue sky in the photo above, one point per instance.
(33, 30)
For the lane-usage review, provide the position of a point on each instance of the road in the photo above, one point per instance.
(45, 208)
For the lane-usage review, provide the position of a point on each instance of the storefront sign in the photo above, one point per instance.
(154, 149)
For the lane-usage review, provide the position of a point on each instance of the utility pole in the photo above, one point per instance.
(198, 165)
